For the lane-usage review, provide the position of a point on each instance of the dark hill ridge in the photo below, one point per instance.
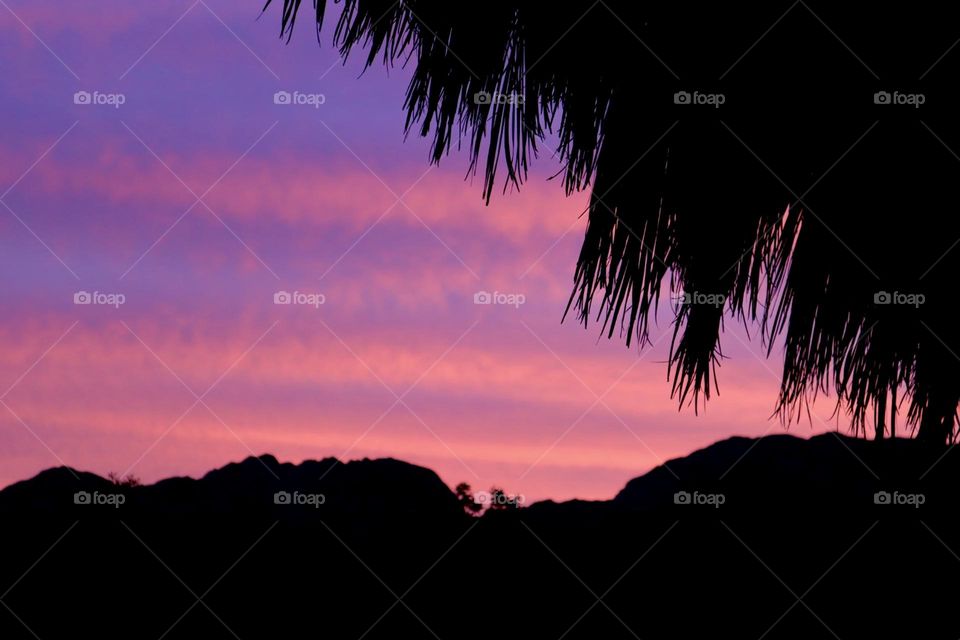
(382, 486)
(828, 469)
(390, 554)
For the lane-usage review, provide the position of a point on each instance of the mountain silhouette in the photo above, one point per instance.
(829, 469)
(779, 537)
(383, 487)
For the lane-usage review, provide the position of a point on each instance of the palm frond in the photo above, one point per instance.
(705, 207)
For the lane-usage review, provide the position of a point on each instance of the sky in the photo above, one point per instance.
(149, 169)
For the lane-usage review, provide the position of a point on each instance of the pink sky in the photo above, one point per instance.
(296, 199)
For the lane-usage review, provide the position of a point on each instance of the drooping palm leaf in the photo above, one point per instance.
(772, 205)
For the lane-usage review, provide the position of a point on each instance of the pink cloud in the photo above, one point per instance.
(293, 191)
(498, 401)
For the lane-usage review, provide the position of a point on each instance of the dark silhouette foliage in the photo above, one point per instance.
(815, 203)
(466, 499)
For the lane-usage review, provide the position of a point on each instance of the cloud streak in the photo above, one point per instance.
(300, 199)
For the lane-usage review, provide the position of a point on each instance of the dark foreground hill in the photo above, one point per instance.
(372, 488)
(777, 537)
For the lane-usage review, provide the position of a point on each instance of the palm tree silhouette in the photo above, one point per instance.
(789, 164)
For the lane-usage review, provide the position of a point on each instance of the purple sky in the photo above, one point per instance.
(198, 366)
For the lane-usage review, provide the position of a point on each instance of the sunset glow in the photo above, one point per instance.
(200, 197)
